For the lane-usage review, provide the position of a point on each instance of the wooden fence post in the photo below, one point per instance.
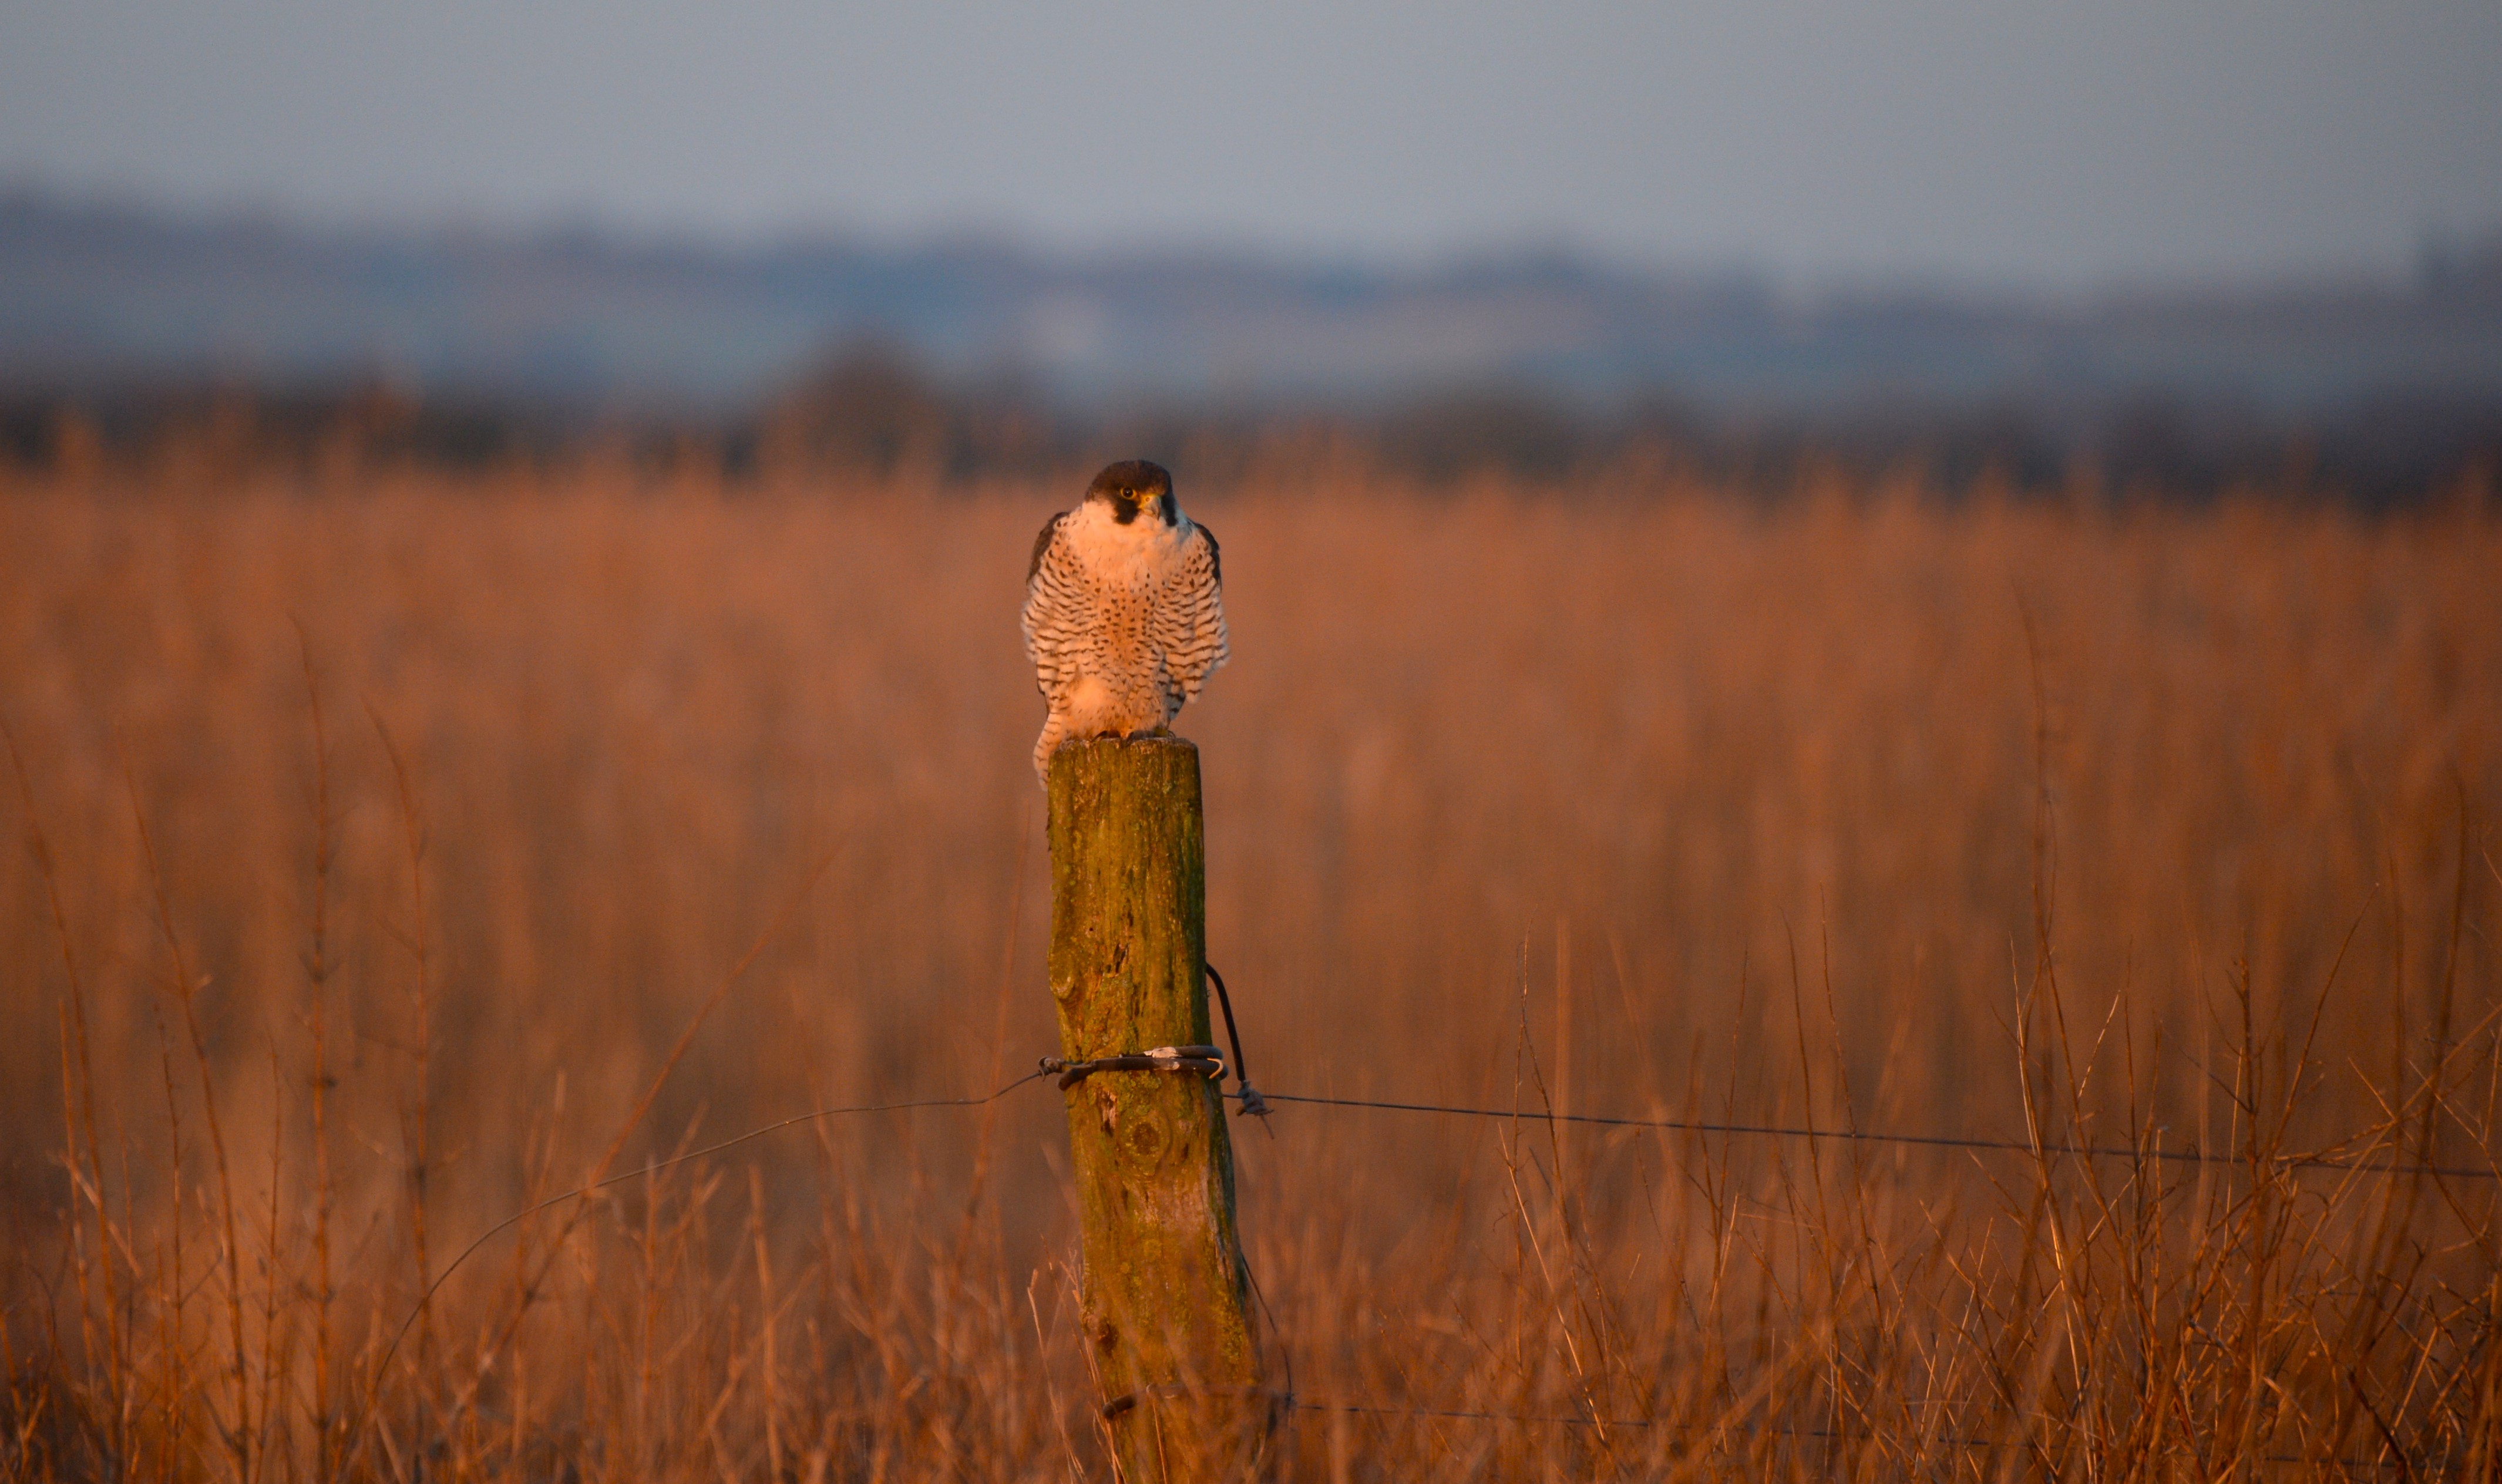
(1166, 1314)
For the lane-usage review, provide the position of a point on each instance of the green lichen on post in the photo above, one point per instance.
(1166, 1306)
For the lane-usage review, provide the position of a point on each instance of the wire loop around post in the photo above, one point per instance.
(1202, 1060)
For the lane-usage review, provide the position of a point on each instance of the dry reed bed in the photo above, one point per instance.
(2152, 829)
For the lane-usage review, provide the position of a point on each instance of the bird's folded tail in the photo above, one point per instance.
(1055, 730)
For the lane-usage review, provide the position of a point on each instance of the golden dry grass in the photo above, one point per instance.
(1863, 808)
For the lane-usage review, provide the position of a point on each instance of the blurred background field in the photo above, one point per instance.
(1797, 571)
(1642, 795)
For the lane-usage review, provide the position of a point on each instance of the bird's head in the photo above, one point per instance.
(1135, 486)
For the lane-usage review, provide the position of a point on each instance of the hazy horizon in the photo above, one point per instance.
(2401, 270)
(1816, 146)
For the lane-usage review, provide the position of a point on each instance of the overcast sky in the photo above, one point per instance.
(2069, 144)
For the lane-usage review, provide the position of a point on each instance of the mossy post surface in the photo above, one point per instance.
(1165, 1309)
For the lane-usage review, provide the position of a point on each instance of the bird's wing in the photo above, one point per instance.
(1054, 601)
(1042, 540)
(1190, 621)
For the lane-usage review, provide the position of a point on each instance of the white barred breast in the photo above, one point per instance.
(1124, 622)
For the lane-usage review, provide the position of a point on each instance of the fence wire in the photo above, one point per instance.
(2189, 1156)
(1252, 1101)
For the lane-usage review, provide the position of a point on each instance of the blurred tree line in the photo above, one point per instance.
(869, 412)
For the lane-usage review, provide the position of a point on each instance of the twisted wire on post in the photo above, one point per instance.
(1208, 1061)
(1205, 1061)
(1249, 1096)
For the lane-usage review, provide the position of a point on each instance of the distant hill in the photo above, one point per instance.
(94, 296)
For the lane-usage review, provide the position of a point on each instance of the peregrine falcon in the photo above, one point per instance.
(1124, 613)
